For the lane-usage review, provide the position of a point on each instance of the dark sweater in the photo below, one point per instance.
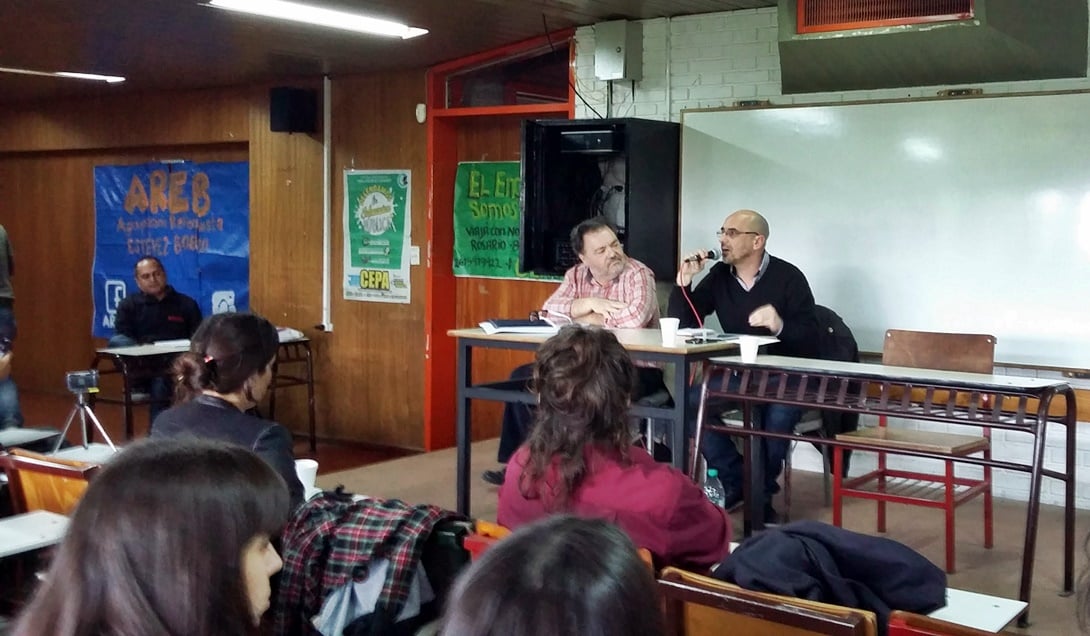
(782, 285)
(146, 319)
(208, 417)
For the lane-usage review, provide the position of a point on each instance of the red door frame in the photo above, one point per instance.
(442, 158)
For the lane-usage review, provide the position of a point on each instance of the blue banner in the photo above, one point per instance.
(194, 217)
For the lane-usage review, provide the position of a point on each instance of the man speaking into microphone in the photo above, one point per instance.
(751, 292)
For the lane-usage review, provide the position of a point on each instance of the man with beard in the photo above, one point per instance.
(751, 292)
(606, 288)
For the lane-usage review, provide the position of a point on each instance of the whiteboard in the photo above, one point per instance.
(958, 215)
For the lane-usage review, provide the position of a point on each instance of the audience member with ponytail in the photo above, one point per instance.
(225, 373)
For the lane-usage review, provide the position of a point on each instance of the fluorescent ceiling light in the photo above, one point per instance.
(322, 17)
(109, 79)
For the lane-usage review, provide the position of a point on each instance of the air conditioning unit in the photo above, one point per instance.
(839, 45)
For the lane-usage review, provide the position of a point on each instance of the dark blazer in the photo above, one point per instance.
(209, 417)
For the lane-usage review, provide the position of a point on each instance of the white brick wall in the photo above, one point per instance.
(716, 59)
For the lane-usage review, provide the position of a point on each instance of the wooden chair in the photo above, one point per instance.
(695, 605)
(908, 624)
(973, 353)
(41, 482)
(485, 535)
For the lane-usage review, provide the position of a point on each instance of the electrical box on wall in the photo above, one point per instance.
(618, 50)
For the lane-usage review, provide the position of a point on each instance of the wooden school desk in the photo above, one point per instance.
(1018, 404)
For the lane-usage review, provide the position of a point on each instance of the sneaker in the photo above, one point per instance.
(494, 477)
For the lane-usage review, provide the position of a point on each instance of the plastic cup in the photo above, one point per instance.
(748, 347)
(669, 330)
(307, 470)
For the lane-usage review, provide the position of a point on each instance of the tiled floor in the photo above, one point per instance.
(41, 409)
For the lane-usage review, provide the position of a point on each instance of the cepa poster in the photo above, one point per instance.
(377, 235)
(194, 217)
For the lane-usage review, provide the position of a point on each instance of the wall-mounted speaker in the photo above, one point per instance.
(293, 109)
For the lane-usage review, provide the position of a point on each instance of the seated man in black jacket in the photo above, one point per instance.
(156, 312)
(751, 292)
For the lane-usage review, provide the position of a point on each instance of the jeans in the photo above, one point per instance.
(158, 387)
(721, 453)
(10, 413)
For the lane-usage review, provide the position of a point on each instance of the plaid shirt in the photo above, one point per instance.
(331, 541)
(635, 286)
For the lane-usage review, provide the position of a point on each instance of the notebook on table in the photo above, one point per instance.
(518, 326)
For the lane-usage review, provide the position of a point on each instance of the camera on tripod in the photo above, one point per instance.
(82, 381)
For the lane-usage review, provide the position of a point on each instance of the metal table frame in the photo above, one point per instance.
(642, 345)
(919, 394)
(148, 361)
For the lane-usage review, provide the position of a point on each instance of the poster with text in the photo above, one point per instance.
(193, 217)
(377, 235)
(486, 220)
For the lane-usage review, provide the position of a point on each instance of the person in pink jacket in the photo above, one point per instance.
(580, 458)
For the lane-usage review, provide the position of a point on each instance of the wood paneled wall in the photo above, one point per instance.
(494, 139)
(369, 368)
(376, 372)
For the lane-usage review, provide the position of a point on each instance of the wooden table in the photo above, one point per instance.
(1018, 404)
(30, 531)
(141, 362)
(135, 363)
(296, 354)
(642, 345)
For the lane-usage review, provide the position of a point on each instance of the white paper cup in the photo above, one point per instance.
(307, 470)
(748, 347)
(669, 330)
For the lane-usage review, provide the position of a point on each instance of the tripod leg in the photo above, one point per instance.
(86, 412)
(67, 425)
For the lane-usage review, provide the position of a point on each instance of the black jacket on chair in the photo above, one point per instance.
(820, 562)
(836, 342)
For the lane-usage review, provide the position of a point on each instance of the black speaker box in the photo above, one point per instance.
(293, 110)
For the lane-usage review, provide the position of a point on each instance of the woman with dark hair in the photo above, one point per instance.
(171, 537)
(225, 373)
(580, 457)
(563, 575)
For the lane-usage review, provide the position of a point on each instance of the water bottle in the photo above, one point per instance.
(713, 488)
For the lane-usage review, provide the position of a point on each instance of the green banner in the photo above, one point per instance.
(377, 231)
(486, 220)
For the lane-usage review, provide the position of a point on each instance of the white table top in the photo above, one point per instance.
(895, 373)
(632, 339)
(174, 347)
(167, 347)
(21, 436)
(31, 531)
(95, 453)
(982, 611)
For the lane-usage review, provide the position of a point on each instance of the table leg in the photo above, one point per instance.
(679, 438)
(1033, 511)
(310, 398)
(465, 375)
(753, 482)
(1069, 494)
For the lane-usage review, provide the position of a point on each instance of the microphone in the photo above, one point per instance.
(709, 255)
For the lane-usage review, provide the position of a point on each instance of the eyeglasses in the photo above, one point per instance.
(732, 233)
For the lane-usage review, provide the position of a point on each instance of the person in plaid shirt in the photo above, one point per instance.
(607, 289)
